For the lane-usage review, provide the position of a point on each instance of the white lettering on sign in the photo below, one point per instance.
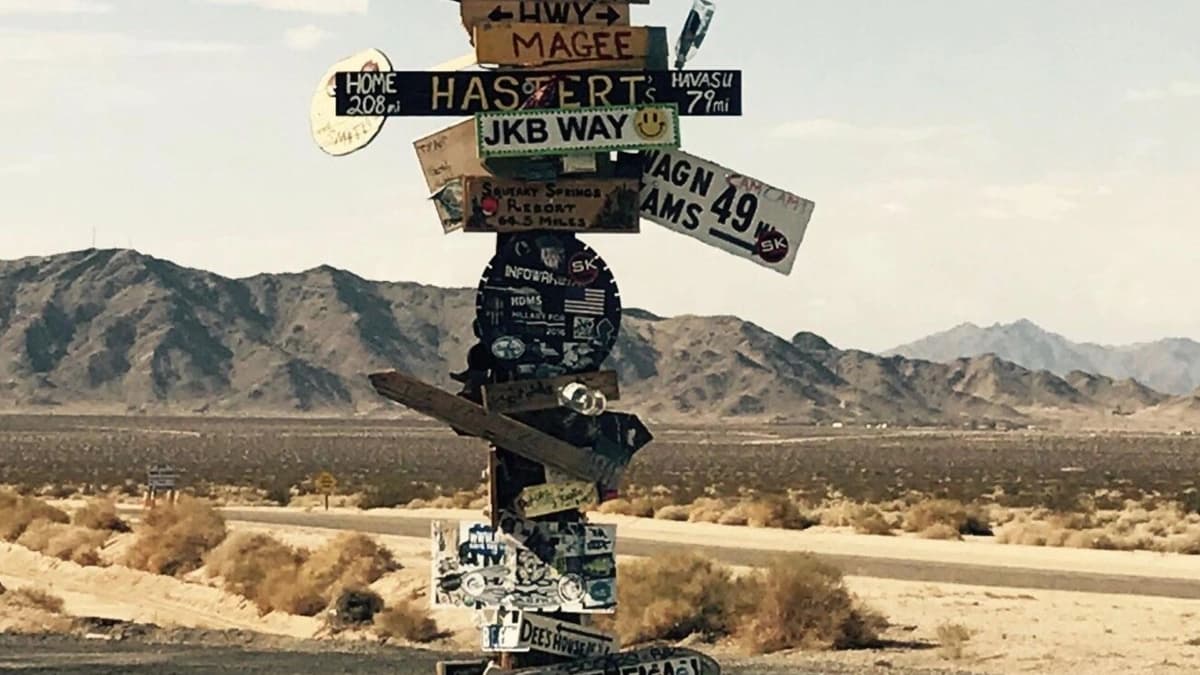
(727, 210)
(559, 132)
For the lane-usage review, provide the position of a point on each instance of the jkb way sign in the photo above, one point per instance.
(722, 208)
(559, 132)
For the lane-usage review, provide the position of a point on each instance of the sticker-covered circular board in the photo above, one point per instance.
(343, 135)
(548, 306)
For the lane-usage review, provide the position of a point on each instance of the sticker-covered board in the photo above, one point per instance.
(569, 204)
(419, 93)
(547, 306)
(722, 208)
(543, 567)
(548, 132)
(506, 630)
(446, 156)
(551, 46)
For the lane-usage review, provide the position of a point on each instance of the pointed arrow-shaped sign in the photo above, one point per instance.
(498, 14)
(610, 14)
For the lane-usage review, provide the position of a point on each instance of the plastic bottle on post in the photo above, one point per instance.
(694, 30)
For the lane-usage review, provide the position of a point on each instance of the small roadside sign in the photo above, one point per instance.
(343, 135)
(526, 395)
(162, 477)
(542, 500)
(512, 630)
(556, 47)
(446, 156)
(325, 482)
(537, 132)
(571, 204)
(575, 12)
(724, 209)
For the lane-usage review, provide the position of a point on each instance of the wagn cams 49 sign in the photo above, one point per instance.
(733, 212)
(558, 132)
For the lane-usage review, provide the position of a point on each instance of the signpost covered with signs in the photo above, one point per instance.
(572, 130)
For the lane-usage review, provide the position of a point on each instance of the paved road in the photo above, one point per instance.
(883, 568)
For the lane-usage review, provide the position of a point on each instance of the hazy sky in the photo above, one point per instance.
(969, 161)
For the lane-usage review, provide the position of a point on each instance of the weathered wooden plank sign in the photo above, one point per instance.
(512, 630)
(503, 431)
(538, 566)
(418, 93)
(722, 208)
(523, 395)
(547, 498)
(445, 157)
(571, 205)
(572, 12)
(553, 47)
(537, 132)
(647, 660)
(343, 135)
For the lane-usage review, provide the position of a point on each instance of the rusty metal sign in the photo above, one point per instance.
(493, 204)
(553, 47)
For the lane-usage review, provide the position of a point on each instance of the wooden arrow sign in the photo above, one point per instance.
(504, 431)
(524, 395)
(555, 47)
(576, 12)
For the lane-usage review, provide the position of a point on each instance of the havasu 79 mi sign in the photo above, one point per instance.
(560, 132)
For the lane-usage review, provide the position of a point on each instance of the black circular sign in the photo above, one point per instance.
(547, 306)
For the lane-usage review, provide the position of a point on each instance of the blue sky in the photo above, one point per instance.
(969, 161)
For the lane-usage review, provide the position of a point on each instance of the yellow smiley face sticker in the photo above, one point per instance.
(651, 123)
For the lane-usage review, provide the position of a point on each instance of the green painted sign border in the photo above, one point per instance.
(672, 144)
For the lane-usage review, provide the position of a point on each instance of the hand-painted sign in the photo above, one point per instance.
(547, 498)
(556, 132)
(343, 135)
(722, 208)
(461, 668)
(543, 567)
(573, 12)
(570, 205)
(410, 93)
(162, 477)
(325, 482)
(551, 47)
(504, 431)
(522, 395)
(445, 158)
(656, 660)
(512, 630)
(547, 306)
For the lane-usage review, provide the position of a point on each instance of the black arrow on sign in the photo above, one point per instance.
(499, 14)
(610, 14)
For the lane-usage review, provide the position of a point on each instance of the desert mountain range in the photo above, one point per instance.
(117, 331)
(1171, 365)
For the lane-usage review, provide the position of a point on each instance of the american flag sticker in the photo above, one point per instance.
(588, 301)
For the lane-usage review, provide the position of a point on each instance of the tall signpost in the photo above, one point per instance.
(575, 131)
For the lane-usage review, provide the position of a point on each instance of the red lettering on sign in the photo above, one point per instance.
(578, 45)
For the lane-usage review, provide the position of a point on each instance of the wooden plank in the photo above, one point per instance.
(536, 501)
(570, 12)
(554, 47)
(722, 208)
(508, 630)
(538, 132)
(523, 395)
(645, 660)
(445, 157)
(461, 667)
(567, 205)
(503, 431)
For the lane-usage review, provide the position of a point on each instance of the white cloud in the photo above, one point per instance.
(1044, 201)
(304, 37)
(305, 6)
(54, 7)
(1176, 89)
(81, 47)
(823, 129)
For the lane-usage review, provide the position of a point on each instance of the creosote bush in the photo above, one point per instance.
(172, 539)
(18, 512)
(923, 516)
(672, 596)
(407, 620)
(100, 514)
(65, 542)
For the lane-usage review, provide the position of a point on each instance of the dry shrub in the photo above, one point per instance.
(65, 542)
(675, 512)
(799, 601)
(349, 560)
(17, 512)
(774, 512)
(172, 539)
(940, 531)
(950, 512)
(707, 510)
(32, 598)
(355, 607)
(869, 520)
(407, 620)
(952, 640)
(639, 507)
(672, 596)
(100, 514)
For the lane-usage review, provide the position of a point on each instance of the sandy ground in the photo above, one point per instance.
(1013, 630)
